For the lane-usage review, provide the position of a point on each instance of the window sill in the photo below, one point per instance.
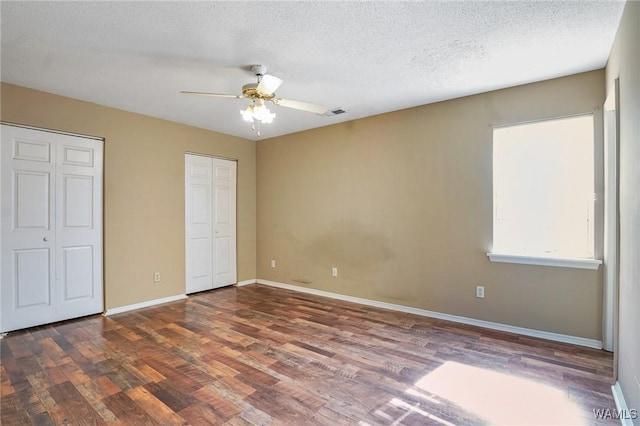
(545, 261)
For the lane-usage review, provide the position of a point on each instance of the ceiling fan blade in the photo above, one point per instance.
(268, 85)
(215, 95)
(303, 106)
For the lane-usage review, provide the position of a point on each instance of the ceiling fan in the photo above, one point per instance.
(259, 93)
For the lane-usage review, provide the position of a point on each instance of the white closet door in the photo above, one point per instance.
(199, 223)
(79, 226)
(210, 223)
(224, 201)
(51, 227)
(28, 187)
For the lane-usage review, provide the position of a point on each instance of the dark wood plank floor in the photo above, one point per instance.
(260, 355)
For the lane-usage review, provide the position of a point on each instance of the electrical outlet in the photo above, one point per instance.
(334, 272)
(156, 277)
(480, 292)
(273, 263)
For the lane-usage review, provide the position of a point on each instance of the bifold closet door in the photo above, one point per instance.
(210, 222)
(51, 230)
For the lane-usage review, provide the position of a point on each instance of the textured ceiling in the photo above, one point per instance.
(366, 57)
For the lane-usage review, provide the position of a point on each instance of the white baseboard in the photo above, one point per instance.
(564, 338)
(245, 282)
(146, 304)
(621, 405)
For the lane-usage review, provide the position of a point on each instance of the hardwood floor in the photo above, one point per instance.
(260, 355)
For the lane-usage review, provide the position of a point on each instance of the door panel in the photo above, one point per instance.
(31, 277)
(77, 196)
(27, 175)
(79, 226)
(223, 260)
(223, 170)
(201, 259)
(31, 200)
(77, 273)
(31, 150)
(51, 227)
(201, 206)
(198, 246)
(225, 222)
(222, 200)
(77, 155)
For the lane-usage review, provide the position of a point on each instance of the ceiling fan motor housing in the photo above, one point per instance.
(250, 91)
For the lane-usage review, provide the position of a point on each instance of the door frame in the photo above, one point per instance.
(611, 126)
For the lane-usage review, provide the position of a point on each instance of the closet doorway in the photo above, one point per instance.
(210, 222)
(51, 227)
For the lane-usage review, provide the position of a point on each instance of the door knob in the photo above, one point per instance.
(45, 239)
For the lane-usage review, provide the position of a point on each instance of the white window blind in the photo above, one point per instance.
(543, 181)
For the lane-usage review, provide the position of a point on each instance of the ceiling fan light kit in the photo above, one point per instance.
(257, 111)
(259, 93)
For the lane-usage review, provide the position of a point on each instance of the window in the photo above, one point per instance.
(543, 192)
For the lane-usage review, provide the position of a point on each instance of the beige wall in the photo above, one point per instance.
(143, 189)
(624, 63)
(401, 203)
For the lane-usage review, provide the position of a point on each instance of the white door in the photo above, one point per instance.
(224, 222)
(199, 222)
(210, 222)
(51, 227)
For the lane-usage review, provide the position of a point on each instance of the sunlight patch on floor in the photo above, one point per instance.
(414, 409)
(499, 398)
